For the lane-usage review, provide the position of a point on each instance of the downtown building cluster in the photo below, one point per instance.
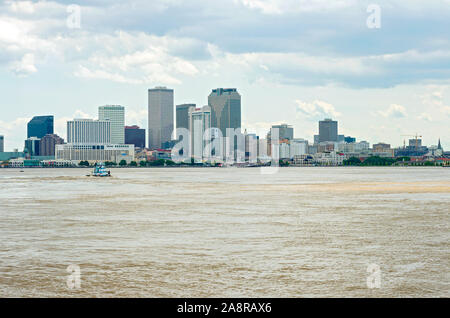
(203, 135)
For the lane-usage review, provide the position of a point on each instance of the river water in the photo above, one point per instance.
(226, 232)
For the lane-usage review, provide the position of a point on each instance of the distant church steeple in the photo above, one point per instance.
(439, 144)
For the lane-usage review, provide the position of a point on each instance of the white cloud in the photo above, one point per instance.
(394, 111)
(25, 66)
(22, 6)
(446, 110)
(284, 6)
(84, 72)
(139, 117)
(11, 125)
(39, 28)
(298, 62)
(14, 132)
(434, 100)
(260, 128)
(425, 116)
(138, 58)
(20, 46)
(316, 109)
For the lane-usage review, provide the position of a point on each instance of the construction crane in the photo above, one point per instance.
(416, 137)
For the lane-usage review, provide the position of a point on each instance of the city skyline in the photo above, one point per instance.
(174, 121)
(288, 69)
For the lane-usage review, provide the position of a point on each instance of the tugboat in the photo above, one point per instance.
(100, 171)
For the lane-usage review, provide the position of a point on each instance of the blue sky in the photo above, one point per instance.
(293, 61)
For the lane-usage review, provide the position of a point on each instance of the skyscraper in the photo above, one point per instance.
(116, 115)
(225, 106)
(88, 131)
(32, 146)
(135, 136)
(251, 147)
(40, 126)
(183, 115)
(160, 116)
(48, 143)
(284, 131)
(199, 124)
(328, 130)
(2, 144)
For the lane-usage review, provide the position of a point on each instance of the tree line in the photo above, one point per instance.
(380, 161)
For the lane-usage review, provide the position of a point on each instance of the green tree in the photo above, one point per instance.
(157, 163)
(143, 163)
(84, 164)
(133, 164)
(352, 161)
(122, 163)
(378, 161)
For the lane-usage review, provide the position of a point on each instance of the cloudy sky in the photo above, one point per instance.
(293, 61)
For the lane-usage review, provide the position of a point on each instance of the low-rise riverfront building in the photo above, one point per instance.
(329, 159)
(36, 163)
(5, 156)
(95, 152)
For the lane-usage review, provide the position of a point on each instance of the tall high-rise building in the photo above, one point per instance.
(48, 143)
(160, 116)
(328, 130)
(225, 106)
(182, 114)
(88, 131)
(40, 126)
(116, 115)
(135, 136)
(199, 126)
(32, 146)
(284, 131)
(251, 147)
(2, 144)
